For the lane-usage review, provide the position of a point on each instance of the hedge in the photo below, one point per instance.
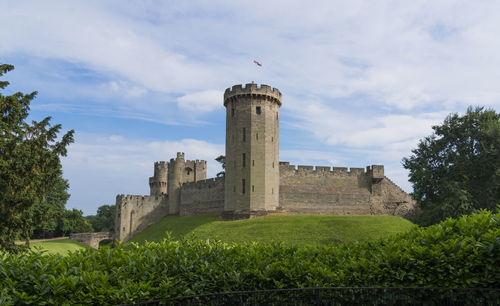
(455, 253)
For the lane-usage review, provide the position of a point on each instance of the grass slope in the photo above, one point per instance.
(290, 229)
(59, 246)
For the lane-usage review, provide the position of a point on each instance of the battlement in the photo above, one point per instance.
(285, 167)
(376, 171)
(161, 164)
(208, 183)
(252, 89)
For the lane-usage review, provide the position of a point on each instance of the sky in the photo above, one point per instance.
(138, 81)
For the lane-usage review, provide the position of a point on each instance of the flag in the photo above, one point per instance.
(257, 63)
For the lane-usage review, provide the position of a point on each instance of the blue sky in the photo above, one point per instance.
(362, 81)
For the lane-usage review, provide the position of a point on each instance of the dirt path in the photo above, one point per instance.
(42, 240)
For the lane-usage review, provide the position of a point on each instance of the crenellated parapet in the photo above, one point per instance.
(208, 183)
(287, 169)
(252, 90)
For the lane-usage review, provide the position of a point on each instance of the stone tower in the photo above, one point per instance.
(182, 171)
(176, 166)
(252, 150)
(158, 183)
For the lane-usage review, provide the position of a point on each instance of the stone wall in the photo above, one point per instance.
(389, 199)
(202, 197)
(322, 190)
(134, 213)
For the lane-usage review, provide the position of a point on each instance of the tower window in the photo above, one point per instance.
(234, 188)
(243, 186)
(243, 160)
(253, 188)
(272, 139)
(257, 136)
(253, 163)
(258, 110)
(244, 134)
(273, 164)
(232, 112)
(124, 228)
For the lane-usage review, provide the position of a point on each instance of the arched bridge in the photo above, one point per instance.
(91, 239)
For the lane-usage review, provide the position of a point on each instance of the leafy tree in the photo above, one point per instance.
(72, 221)
(104, 221)
(29, 164)
(456, 170)
(222, 160)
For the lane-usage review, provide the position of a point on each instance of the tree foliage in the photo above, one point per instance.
(30, 167)
(222, 160)
(104, 221)
(456, 170)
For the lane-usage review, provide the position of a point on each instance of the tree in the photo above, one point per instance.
(47, 213)
(104, 221)
(456, 170)
(30, 167)
(72, 221)
(222, 160)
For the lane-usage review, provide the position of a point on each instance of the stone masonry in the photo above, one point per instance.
(255, 182)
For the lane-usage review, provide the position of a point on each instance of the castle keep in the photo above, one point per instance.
(255, 182)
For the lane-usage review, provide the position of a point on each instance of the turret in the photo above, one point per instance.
(175, 179)
(158, 183)
(252, 150)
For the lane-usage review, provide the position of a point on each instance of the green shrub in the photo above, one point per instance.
(454, 253)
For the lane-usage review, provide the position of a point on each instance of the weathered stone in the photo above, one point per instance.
(255, 183)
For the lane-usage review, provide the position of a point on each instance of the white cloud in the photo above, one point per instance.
(203, 101)
(100, 167)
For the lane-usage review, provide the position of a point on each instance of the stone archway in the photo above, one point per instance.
(91, 239)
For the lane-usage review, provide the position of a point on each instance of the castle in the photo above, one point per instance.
(256, 182)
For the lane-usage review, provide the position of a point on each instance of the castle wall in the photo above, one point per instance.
(389, 199)
(134, 213)
(202, 197)
(322, 190)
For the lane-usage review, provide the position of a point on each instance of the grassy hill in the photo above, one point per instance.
(290, 229)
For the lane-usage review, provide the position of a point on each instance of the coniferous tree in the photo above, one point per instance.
(30, 168)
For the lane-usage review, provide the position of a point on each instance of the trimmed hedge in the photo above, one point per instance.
(454, 253)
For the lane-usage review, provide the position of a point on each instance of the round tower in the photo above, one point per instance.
(252, 150)
(175, 179)
(158, 183)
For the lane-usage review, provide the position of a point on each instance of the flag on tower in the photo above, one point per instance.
(257, 63)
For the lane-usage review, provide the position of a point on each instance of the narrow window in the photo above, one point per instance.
(253, 163)
(258, 110)
(244, 134)
(232, 112)
(272, 139)
(257, 136)
(243, 186)
(235, 164)
(243, 160)
(232, 139)
(253, 188)
(272, 190)
(234, 188)
(273, 164)
(124, 228)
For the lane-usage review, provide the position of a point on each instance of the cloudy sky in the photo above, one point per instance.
(362, 81)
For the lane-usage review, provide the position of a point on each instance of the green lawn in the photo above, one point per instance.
(290, 229)
(59, 246)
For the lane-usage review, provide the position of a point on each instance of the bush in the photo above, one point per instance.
(454, 253)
